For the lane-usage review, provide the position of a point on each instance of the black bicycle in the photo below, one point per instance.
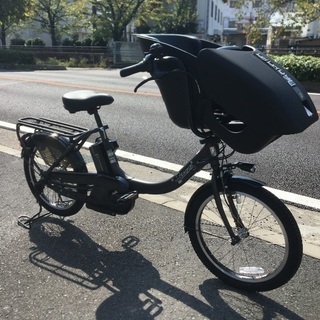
(240, 231)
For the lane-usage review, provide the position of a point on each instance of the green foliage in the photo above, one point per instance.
(304, 68)
(17, 42)
(17, 57)
(82, 63)
(59, 17)
(87, 42)
(282, 14)
(35, 42)
(182, 18)
(12, 12)
(53, 61)
(67, 42)
(179, 16)
(114, 16)
(99, 41)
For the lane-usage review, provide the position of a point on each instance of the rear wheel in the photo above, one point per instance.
(269, 249)
(36, 162)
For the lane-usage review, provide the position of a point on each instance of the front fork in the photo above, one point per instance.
(223, 175)
(234, 212)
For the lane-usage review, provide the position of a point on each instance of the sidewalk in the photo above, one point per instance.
(139, 266)
(308, 220)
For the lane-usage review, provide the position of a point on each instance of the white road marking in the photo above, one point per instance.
(156, 163)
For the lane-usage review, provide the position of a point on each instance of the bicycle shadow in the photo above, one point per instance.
(66, 251)
(237, 304)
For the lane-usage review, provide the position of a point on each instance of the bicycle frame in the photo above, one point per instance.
(78, 138)
(58, 177)
(114, 181)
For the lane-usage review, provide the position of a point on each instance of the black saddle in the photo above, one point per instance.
(85, 100)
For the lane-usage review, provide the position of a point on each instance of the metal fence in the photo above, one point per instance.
(297, 50)
(119, 54)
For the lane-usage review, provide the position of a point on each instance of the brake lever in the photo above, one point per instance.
(155, 77)
(142, 83)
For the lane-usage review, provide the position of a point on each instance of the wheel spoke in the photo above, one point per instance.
(53, 201)
(269, 249)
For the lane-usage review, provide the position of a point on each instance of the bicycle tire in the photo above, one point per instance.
(34, 167)
(270, 249)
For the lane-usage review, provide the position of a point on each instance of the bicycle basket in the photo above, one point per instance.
(178, 89)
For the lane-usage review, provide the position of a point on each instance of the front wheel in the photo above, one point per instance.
(269, 248)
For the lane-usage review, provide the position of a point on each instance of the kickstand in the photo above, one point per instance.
(26, 221)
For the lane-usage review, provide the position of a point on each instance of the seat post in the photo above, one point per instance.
(97, 118)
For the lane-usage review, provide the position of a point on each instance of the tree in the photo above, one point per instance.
(285, 14)
(113, 16)
(182, 18)
(295, 12)
(57, 17)
(11, 13)
(171, 16)
(150, 13)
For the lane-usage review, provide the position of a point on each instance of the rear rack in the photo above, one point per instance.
(51, 126)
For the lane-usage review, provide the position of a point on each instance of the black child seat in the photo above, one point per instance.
(240, 94)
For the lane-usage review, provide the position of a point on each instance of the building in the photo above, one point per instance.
(211, 18)
(223, 21)
(219, 20)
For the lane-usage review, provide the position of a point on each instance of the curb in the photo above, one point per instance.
(301, 201)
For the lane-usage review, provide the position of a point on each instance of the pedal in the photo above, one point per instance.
(133, 195)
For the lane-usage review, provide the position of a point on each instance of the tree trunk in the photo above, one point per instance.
(53, 36)
(118, 33)
(3, 35)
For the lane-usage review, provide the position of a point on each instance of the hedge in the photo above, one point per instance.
(16, 57)
(304, 68)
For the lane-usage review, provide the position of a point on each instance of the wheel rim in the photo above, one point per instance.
(263, 248)
(52, 198)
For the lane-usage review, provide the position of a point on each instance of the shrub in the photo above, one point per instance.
(87, 42)
(67, 42)
(17, 42)
(53, 61)
(35, 42)
(17, 57)
(72, 63)
(38, 42)
(304, 68)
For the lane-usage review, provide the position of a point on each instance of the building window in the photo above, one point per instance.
(256, 3)
(218, 15)
(212, 5)
(232, 24)
(215, 12)
(234, 3)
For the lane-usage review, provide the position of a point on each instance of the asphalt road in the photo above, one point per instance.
(141, 125)
(138, 266)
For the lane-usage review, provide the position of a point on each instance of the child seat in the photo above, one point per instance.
(240, 94)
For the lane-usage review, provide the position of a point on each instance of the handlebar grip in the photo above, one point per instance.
(139, 67)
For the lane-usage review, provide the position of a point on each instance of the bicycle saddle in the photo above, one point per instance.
(85, 100)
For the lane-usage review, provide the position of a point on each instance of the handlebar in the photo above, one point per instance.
(146, 65)
(142, 66)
